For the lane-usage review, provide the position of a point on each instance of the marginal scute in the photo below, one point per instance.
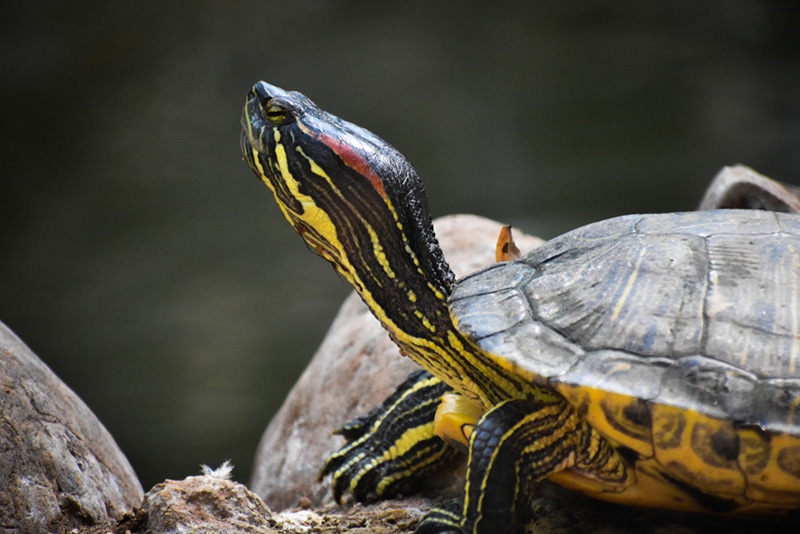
(776, 403)
(504, 310)
(533, 350)
(709, 386)
(618, 372)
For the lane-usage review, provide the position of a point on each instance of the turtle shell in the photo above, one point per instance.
(677, 337)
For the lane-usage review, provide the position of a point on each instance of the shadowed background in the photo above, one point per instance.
(143, 261)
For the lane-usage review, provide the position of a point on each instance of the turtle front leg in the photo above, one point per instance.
(395, 446)
(513, 446)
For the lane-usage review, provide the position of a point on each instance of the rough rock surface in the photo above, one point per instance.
(207, 503)
(59, 466)
(741, 187)
(213, 503)
(354, 369)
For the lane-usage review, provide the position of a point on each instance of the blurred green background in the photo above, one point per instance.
(149, 268)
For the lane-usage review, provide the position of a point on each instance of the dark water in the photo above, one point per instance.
(147, 266)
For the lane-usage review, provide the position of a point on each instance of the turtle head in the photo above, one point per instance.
(353, 198)
(358, 203)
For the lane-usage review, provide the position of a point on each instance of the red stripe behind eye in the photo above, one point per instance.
(352, 159)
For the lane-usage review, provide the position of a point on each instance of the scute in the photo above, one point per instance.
(776, 405)
(617, 291)
(505, 328)
(619, 372)
(753, 302)
(788, 222)
(709, 386)
(710, 223)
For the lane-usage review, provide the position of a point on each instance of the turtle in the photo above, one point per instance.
(649, 359)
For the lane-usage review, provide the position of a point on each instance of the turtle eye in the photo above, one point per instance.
(278, 115)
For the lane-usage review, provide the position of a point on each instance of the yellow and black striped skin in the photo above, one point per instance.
(395, 446)
(340, 187)
(358, 203)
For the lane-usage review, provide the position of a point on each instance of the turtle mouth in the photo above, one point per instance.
(251, 122)
(245, 141)
(255, 126)
(254, 113)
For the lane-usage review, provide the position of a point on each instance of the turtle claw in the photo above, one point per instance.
(394, 446)
(345, 465)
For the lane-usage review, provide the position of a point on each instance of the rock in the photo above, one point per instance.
(207, 503)
(213, 503)
(354, 369)
(60, 467)
(741, 187)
